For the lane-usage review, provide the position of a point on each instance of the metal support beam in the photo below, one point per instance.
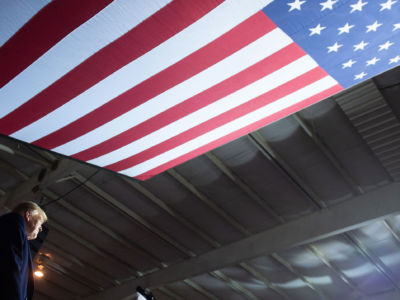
(44, 162)
(101, 227)
(62, 292)
(200, 289)
(375, 260)
(170, 293)
(236, 286)
(328, 154)
(244, 187)
(334, 269)
(203, 198)
(11, 170)
(264, 280)
(75, 237)
(71, 275)
(37, 182)
(43, 295)
(327, 222)
(114, 203)
(265, 148)
(393, 231)
(296, 273)
(76, 261)
(179, 218)
(379, 265)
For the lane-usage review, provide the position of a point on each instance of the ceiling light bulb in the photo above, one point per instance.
(39, 274)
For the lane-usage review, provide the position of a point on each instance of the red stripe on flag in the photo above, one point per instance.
(141, 39)
(245, 130)
(234, 40)
(226, 87)
(43, 31)
(224, 118)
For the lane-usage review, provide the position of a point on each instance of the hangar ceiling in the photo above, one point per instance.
(305, 208)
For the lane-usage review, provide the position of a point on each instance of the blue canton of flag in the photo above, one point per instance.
(351, 40)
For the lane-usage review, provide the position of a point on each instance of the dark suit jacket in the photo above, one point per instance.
(16, 275)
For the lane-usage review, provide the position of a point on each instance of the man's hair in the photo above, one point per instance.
(30, 206)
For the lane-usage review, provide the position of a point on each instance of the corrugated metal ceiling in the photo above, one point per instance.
(108, 233)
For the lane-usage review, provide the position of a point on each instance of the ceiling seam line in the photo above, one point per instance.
(263, 146)
(234, 284)
(97, 224)
(117, 205)
(89, 245)
(264, 280)
(244, 187)
(204, 199)
(335, 269)
(298, 274)
(200, 289)
(75, 260)
(166, 208)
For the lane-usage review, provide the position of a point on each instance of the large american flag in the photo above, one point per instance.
(139, 86)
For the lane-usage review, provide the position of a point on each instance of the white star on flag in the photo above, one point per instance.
(374, 26)
(394, 60)
(385, 46)
(360, 46)
(360, 76)
(345, 29)
(372, 61)
(387, 5)
(354, 29)
(328, 4)
(316, 30)
(358, 6)
(348, 64)
(296, 5)
(334, 48)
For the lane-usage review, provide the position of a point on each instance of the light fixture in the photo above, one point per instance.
(39, 272)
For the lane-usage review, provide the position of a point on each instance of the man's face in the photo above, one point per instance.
(34, 223)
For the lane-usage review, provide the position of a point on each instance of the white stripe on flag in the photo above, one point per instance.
(241, 60)
(109, 24)
(233, 100)
(298, 96)
(14, 14)
(223, 18)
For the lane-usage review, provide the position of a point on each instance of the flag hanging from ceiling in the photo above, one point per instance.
(139, 86)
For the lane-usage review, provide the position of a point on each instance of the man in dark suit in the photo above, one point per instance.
(16, 228)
